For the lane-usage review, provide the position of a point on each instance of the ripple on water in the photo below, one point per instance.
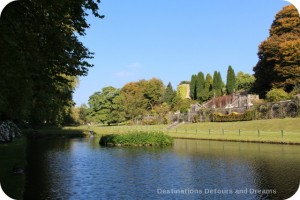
(77, 169)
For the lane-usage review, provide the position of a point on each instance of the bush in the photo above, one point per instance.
(149, 121)
(140, 138)
(155, 120)
(206, 114)
(261, 112)
(234, 116)
(277, 95)
(196, 119)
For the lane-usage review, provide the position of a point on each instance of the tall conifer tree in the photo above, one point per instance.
(200, 86)
(170, 94)
(193, 87)
(208, 87)
(231, 81)
(217, 84)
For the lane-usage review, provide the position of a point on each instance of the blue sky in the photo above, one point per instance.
(172, 39)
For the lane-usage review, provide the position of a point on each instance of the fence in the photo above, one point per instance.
(259, 133)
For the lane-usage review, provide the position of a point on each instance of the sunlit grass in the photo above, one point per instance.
(275, 130)
(137, 138)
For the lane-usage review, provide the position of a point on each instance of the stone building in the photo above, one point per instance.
(183, 90)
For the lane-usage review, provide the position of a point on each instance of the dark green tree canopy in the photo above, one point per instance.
(193, 87)
(231, 82)
(106, 107)
(208, 87)
(217, 84)
(41, 56)
(169, 94)
(200, 86)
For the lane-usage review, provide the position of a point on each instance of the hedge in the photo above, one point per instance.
(233, 117)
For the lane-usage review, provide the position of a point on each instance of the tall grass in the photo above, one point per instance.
(139, 138)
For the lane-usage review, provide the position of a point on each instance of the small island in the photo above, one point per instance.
(141, 138)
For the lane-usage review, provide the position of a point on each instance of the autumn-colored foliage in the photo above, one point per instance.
(279, 54)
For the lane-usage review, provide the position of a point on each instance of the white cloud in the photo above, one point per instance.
(135, 66)
(130, 70)
(124, 74)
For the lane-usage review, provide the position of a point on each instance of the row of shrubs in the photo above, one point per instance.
(139, 138)
(234, 116)
(154, 121)
(149, 121)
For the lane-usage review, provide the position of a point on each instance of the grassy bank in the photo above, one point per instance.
(53, 132)
(140, 138)
(285, 131)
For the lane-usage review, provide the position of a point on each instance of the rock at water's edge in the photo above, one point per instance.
(8, 131)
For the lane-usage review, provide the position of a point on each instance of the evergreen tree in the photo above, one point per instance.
(193, 87)
(208, 87)
(208, 82)
(221, 84)
(200, 86)
(217, 84)
(231, 82)
(170, 94)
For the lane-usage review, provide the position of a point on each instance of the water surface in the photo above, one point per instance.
(191, 169)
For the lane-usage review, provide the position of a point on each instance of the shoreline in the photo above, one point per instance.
(67, 135)
(244, 141)
(82, 131)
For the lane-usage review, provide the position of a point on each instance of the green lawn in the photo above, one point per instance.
(102, 130)
(272, 125)
(275, 130)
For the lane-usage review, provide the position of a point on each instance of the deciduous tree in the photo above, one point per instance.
(105, 106)
(41, 56)
(279, 54)
(244, 81)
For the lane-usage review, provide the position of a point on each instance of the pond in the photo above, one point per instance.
(191, 169)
